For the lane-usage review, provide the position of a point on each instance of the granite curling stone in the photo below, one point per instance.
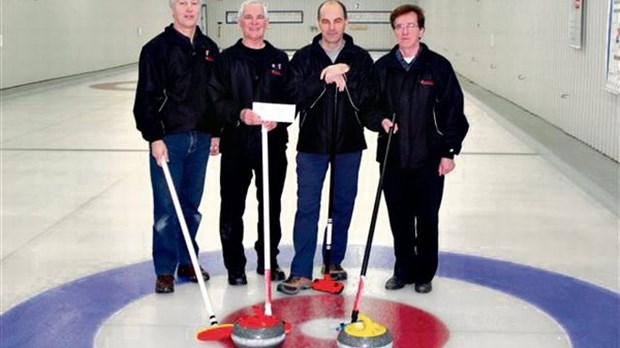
(258, 331)
(365, 334)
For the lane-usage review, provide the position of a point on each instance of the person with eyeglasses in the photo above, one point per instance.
(420, 87)
(252, 70)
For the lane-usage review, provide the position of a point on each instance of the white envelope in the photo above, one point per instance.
(275, 112)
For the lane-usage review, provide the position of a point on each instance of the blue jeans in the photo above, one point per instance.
(311, 170)
(188, 154)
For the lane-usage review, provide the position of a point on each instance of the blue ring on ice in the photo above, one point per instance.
(70, 315)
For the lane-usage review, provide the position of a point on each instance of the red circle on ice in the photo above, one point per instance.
(411, 327)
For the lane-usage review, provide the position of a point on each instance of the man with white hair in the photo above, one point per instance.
(175, 115)
(252, 70)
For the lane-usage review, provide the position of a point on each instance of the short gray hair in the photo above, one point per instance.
(248, 2)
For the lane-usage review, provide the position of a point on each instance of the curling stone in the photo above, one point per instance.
(258, 331)
(365, 334)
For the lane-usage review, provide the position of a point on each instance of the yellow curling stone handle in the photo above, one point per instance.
(365, 327)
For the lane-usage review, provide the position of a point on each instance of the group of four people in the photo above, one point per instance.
(193, 100)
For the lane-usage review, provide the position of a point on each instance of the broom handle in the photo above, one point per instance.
(266, 226)
(188, 243)
(373, 223)
(330, 218)
(332, 180)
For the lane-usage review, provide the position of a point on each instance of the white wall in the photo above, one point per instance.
(292, 36)
(520, 50)
(47, 39)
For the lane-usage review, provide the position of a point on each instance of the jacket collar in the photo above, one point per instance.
(179, 38)
(348, 42)
(420, 59)
(239, 44)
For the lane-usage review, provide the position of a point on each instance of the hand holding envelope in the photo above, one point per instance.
(273, 112)
(249, 117)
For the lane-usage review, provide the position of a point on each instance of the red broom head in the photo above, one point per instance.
(327, 285)
(215, 332)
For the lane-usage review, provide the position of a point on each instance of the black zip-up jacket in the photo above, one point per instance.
(428, 102)
(238, 81)
(171, 96)
(318, 103)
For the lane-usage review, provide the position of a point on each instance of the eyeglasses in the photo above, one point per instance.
(401, 27)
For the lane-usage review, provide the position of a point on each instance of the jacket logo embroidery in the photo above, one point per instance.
(276, 69)
(208, 57)
(427, 82)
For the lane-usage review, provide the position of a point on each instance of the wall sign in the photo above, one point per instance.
(613, 47)
(575, 22)
(369, 17)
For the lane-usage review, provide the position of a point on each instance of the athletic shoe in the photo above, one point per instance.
(294, 284)
(336, 272)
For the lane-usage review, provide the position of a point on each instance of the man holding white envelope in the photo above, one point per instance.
(250, 71)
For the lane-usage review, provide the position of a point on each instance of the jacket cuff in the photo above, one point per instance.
(152, 137)
(449, 152)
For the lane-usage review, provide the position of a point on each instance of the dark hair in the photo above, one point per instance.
(344, 8)
(404, 9)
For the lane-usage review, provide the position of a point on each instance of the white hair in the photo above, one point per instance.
(248, 2)
(172, 2)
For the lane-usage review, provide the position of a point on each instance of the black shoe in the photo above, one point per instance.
(396, 283)
(423, 288)
(164, 284)
(237, 278)
(187, 271)
(277, 273)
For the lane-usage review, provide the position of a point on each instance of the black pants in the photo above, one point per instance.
(413, 197)
(235, 177)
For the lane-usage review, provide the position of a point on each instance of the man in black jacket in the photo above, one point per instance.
(328, 80)
(250, 71)
(421, 88)
(174, 114)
